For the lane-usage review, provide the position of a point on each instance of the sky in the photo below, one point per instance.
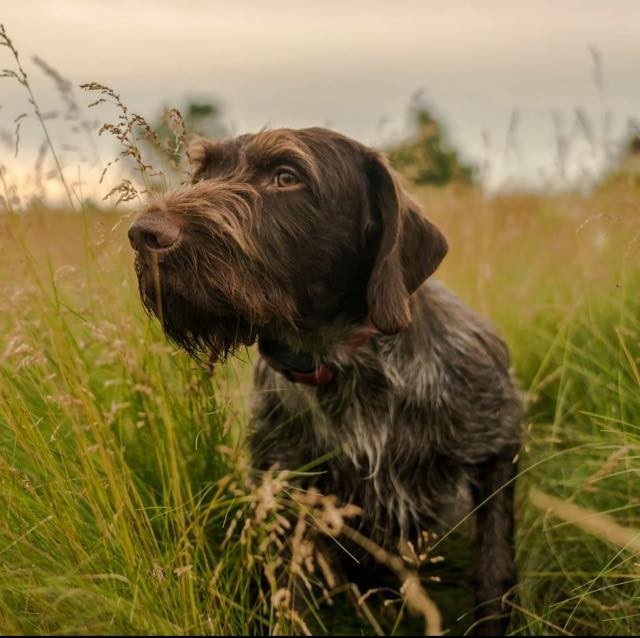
(486, 68)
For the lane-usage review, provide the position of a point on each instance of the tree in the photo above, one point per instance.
(427, 157)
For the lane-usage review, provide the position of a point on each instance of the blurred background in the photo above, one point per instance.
(126, 504)
(533, 94)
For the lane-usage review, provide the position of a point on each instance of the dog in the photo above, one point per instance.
(306, 242)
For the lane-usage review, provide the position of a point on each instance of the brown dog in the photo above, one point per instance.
(306, 242)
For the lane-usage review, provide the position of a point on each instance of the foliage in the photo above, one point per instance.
(427, 157)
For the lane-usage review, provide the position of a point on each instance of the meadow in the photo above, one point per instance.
(125, 502)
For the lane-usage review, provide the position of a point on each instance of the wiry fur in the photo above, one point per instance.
(410, 415)
(421, 413)
(203, 305)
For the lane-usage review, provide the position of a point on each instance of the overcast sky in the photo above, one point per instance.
(350, 65)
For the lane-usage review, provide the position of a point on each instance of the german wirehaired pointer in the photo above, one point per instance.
(305, 241)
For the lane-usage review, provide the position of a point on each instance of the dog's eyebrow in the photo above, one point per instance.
(273, 147)
(210, 157)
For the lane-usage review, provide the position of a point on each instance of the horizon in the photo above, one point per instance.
(506, 102)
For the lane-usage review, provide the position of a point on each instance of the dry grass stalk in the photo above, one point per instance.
(609, 466)
(601, 525)
(21, 77)
(289, 555)
(73, 111)
(130, 130)
(125, 131)
(360, 600)
(414, 595)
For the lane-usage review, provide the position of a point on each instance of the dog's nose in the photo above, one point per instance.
(153, 231)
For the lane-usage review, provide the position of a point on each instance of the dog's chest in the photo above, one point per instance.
(369, 412)
(343, 422)
(383, 436)
(386, 461)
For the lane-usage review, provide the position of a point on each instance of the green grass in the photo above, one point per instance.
(124, 501)
(110, 452)
(583, 445)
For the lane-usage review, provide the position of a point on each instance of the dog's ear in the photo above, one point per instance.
(410, 248)
(199, 154)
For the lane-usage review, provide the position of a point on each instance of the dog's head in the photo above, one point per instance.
(284, 230)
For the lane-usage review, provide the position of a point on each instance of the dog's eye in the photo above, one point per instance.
(284, 179)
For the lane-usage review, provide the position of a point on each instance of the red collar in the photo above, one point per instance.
(302, 367)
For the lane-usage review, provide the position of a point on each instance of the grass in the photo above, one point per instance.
(122, 461)
(125, 502)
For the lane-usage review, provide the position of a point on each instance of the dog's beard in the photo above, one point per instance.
(203, 325)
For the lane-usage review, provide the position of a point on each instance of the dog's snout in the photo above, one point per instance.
(154, 231)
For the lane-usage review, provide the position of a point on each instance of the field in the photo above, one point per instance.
(124, 501)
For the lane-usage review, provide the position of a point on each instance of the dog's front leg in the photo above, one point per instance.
(493, 491)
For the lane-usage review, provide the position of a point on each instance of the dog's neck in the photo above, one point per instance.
(304, 367)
